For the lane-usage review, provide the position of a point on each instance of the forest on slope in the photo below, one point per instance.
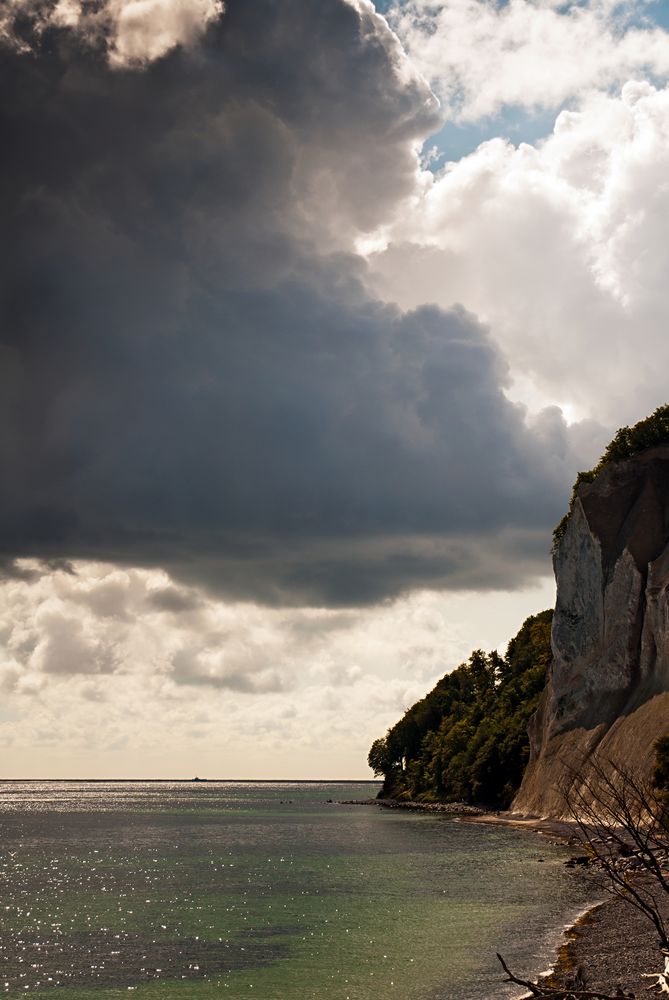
(467, 739)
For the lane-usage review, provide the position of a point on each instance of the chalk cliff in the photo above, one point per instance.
(608, 686)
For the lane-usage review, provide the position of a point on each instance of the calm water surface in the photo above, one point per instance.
(265, 890)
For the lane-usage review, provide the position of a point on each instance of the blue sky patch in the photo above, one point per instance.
(455, 140)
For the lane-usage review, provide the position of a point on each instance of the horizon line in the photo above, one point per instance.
(198, 780)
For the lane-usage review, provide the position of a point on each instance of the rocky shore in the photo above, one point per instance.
(452, 808)
(614, 947)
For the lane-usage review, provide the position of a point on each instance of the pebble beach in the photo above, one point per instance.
(615, 946)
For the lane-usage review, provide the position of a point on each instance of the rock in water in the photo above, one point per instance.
(608, 686)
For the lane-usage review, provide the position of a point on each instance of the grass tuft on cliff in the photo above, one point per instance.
(466, 741)
(628, 441)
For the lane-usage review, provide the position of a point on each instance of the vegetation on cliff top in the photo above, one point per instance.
(628, 441)
(467, 739)
(661, 770)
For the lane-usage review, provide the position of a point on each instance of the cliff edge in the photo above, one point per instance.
(607, 692)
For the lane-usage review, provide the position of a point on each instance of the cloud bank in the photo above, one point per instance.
(99, 663)
(194, 374)
(253, 478)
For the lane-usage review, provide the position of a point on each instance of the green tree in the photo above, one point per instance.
(378, 758)
(467, 738)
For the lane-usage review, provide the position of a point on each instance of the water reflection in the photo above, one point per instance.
(201, 887)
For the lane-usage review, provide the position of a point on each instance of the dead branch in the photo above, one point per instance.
(559, 992)
(623, 824)
(619, 815)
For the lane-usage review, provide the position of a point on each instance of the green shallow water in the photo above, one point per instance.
(266, 890)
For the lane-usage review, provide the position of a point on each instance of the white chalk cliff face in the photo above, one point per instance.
(608, 686)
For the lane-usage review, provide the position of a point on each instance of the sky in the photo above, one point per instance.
(311, 312)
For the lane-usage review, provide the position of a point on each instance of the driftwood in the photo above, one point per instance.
(661, 978)
(561, 992)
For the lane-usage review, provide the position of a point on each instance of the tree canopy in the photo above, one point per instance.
(467, 739)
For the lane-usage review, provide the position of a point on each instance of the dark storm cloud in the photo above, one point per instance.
(10, 570)
(173, 601)
(192, 373)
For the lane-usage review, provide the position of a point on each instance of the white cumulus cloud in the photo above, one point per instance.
(482, 56)
(561, 248)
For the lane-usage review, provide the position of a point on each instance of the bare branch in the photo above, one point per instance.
(619, 816)
(623, 824)
(558, 993)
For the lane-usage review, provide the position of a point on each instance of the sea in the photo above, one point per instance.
(267, 890)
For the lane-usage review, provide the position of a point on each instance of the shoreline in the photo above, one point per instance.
(562, 829)
(610, 944)
(616, 948)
